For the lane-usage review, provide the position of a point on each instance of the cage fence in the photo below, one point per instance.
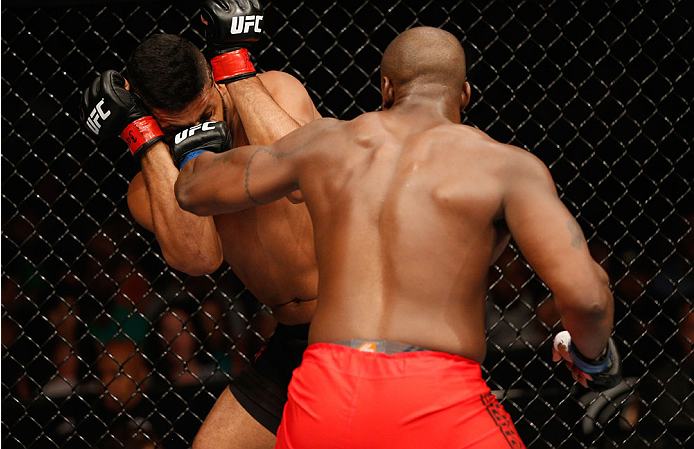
(601, 91)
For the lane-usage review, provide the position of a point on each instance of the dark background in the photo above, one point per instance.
(601, 91)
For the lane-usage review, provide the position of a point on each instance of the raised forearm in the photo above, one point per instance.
(264, 120)
(188, 242)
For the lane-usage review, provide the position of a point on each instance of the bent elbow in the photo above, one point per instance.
(596, 306)
(591, 299)
(182, 195)
(198, 265)
(586, 307)
(202, 269)
(186, 198)
(602, 302)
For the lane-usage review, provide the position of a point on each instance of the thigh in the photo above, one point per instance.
(230, 426)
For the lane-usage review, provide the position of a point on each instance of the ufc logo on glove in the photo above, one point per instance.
(96, 114)
(183, 135)
(243, 24)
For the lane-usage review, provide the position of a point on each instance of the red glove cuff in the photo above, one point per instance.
(232, 66)
(140, 132)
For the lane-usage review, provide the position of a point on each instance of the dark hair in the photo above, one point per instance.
(168, 72)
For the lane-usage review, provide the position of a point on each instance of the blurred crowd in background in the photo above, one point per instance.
(111, 352)
(104, 346)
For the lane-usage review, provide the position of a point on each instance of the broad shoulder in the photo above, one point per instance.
(370, 124)
(468, 140)
(520, 167)
(511, 163)
(470, 134)
(290, 94)
(276, 81)
(510, 155)
(316, 131)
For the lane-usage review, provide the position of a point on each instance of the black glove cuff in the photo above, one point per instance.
(191, 142)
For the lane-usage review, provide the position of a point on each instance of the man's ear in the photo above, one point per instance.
(387, 92)
(465, 95)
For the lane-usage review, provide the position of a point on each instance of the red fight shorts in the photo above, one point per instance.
(343, 398)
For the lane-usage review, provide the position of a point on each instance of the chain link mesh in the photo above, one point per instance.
(104, 346)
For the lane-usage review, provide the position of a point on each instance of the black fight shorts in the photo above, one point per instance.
(261, 388)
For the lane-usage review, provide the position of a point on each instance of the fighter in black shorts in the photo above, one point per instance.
(270, 248)
(261, 388)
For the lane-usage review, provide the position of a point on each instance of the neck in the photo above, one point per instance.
(431, 100)
(434, 109)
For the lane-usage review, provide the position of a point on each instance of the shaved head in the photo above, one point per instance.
(425, 56)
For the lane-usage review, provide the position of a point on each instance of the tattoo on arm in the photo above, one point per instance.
(577, 239)
(224, 158)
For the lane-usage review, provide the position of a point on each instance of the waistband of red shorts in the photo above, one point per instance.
(345, 358)
(382, 346)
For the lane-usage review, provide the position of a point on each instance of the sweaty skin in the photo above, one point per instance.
(410, 208)
(270, 248)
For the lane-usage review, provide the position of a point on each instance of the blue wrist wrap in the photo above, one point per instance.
(189, 156)
(580, 362)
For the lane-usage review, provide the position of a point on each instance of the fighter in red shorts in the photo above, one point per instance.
(409, 210)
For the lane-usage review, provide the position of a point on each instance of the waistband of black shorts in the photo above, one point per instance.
(382, 346)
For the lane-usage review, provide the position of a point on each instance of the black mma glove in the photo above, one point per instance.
(232, 26)
(191, 142)
(606, 370)
(108, 108)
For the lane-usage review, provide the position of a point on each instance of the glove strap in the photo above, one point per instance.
(140, 132)
(232, 66)
(589, 366)
(191, 156)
